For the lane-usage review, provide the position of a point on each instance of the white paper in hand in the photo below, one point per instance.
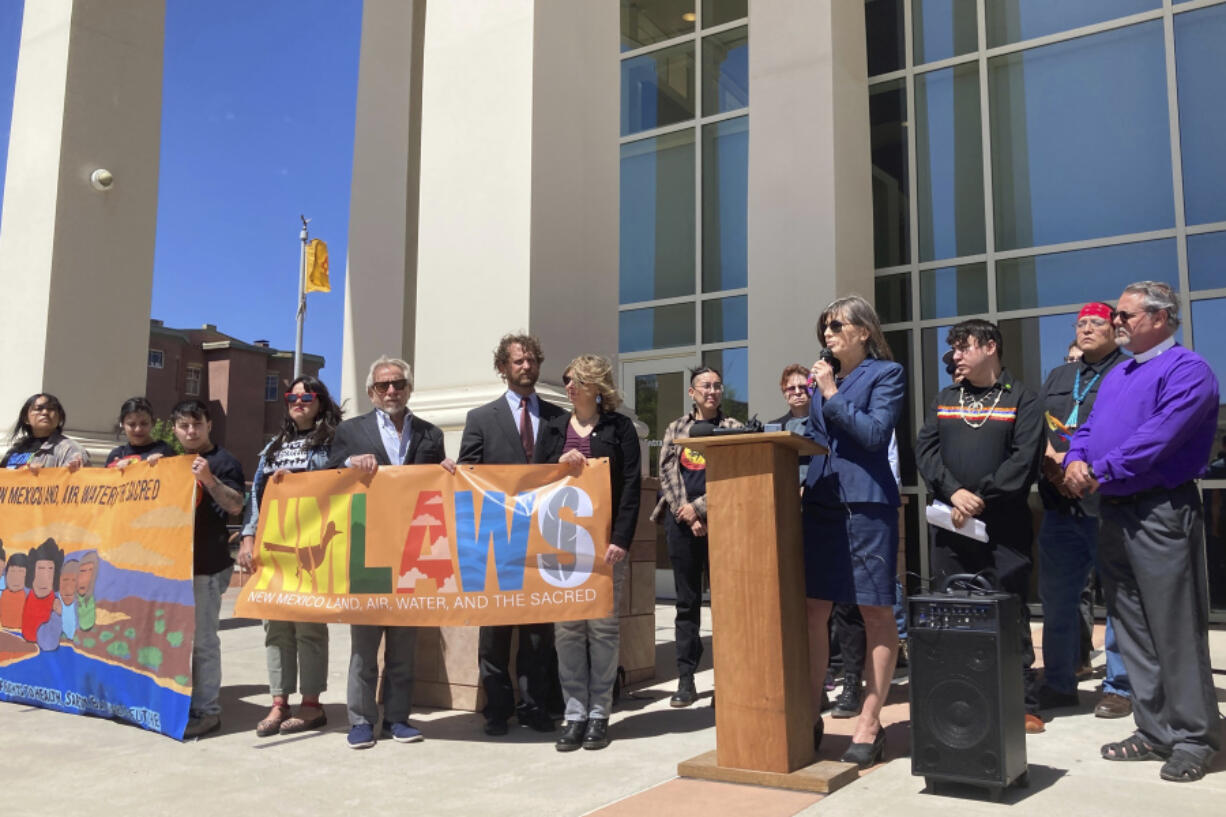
(941, 515)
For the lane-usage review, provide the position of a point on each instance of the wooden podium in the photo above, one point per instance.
(763, 710)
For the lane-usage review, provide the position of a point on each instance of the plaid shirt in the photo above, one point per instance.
(672, 486)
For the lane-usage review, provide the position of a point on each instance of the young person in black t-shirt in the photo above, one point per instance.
(136, 420)
(220, 493)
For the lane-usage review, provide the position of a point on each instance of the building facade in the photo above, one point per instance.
(243, 384)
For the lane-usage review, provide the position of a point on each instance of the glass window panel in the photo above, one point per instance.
(1010, 21)
(725, 203)
(951, 291)
(1201, 72)
(883, 22)
(1207, 260)
(887, 111)
(658, 400)
(1215, 531)
(733, 366)
(900, 347)
(657, 327)
(725, 319)
(715, 12)
(892, 294)
(943, 29)
(1035, 346)
(1209, 329)
(658, 89)
(657, 227)
(949, 152)
(933, 347)
(651, 21)
(1081, 139)
(1098, 274)
(725, 71)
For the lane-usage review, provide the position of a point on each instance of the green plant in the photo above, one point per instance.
(164, 430)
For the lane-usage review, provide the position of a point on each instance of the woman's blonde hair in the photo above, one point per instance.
(597, 371)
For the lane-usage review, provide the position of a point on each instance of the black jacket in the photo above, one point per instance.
(491, 436)
(360, 435)
(616, 438)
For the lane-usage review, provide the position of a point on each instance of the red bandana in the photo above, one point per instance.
(1095, 310)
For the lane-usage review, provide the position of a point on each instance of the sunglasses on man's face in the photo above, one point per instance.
(383, 385)
(305, 397)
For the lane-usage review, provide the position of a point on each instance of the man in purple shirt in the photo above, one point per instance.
(1146, 440)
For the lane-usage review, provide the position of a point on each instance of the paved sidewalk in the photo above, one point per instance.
(55, 762)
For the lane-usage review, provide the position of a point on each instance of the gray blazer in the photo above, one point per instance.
(360, 435)
(491, 436)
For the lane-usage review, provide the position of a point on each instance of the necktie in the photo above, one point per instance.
(525, 431)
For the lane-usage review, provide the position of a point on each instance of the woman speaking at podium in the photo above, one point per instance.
(851, 505)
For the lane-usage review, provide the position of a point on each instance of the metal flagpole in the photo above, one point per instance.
(302, 272)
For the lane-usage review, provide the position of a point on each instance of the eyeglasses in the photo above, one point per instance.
(1126, 317)
(304, 398)
(1072, 358)
(383, 385)
(567, 380)
(797, 389)
(834, 326)
(708, 387)
(1097, 323)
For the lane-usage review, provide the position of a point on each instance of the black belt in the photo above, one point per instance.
(1141, 496)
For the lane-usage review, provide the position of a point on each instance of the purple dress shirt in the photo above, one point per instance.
(1153, 424)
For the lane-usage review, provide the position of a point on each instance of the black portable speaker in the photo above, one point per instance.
(967, 707)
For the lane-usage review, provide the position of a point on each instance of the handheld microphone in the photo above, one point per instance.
(828, 356)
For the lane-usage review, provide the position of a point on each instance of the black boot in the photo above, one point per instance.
(597, 736)
(849, 701)
(572, 736)
(686, 694)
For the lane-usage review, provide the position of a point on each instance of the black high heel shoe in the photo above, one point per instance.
(866, 754)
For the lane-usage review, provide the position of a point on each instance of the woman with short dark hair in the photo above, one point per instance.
(295, 650)
(136, 421)
(38, 437)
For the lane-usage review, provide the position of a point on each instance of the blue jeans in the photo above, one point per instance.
(206, 644)
(1068, 547)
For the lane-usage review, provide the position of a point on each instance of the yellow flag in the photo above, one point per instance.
(317, 267)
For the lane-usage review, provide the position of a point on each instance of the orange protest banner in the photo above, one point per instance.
(414, 545)
(96, 608)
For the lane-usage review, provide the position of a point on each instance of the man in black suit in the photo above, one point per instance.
(387, 435)
(518, 428)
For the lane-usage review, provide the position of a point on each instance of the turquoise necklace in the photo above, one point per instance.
(1079, 396)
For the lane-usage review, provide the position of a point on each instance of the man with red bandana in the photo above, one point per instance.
(1068, 537)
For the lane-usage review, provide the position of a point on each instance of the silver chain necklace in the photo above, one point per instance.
(976, 406)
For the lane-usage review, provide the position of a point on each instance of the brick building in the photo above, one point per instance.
(242, 383)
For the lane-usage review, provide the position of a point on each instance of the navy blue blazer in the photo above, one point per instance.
(856, 424)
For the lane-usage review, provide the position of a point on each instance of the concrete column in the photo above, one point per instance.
(381, 269)
(517, 217)
(810, 232)
(77, 263)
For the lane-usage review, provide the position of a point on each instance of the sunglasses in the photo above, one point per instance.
(835, 326)
(567, 380)
(383, 385)
(304, 398)
(1126, 317)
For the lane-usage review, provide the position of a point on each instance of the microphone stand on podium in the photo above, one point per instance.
(764, 712)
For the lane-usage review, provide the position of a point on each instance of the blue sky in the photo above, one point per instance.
(257, 126)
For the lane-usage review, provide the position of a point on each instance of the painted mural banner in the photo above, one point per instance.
(413, 545)
(96, 610)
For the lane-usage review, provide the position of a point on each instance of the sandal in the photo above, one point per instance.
(272, 724)
(302, 724)
(1183, 767)
(1134, 747)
